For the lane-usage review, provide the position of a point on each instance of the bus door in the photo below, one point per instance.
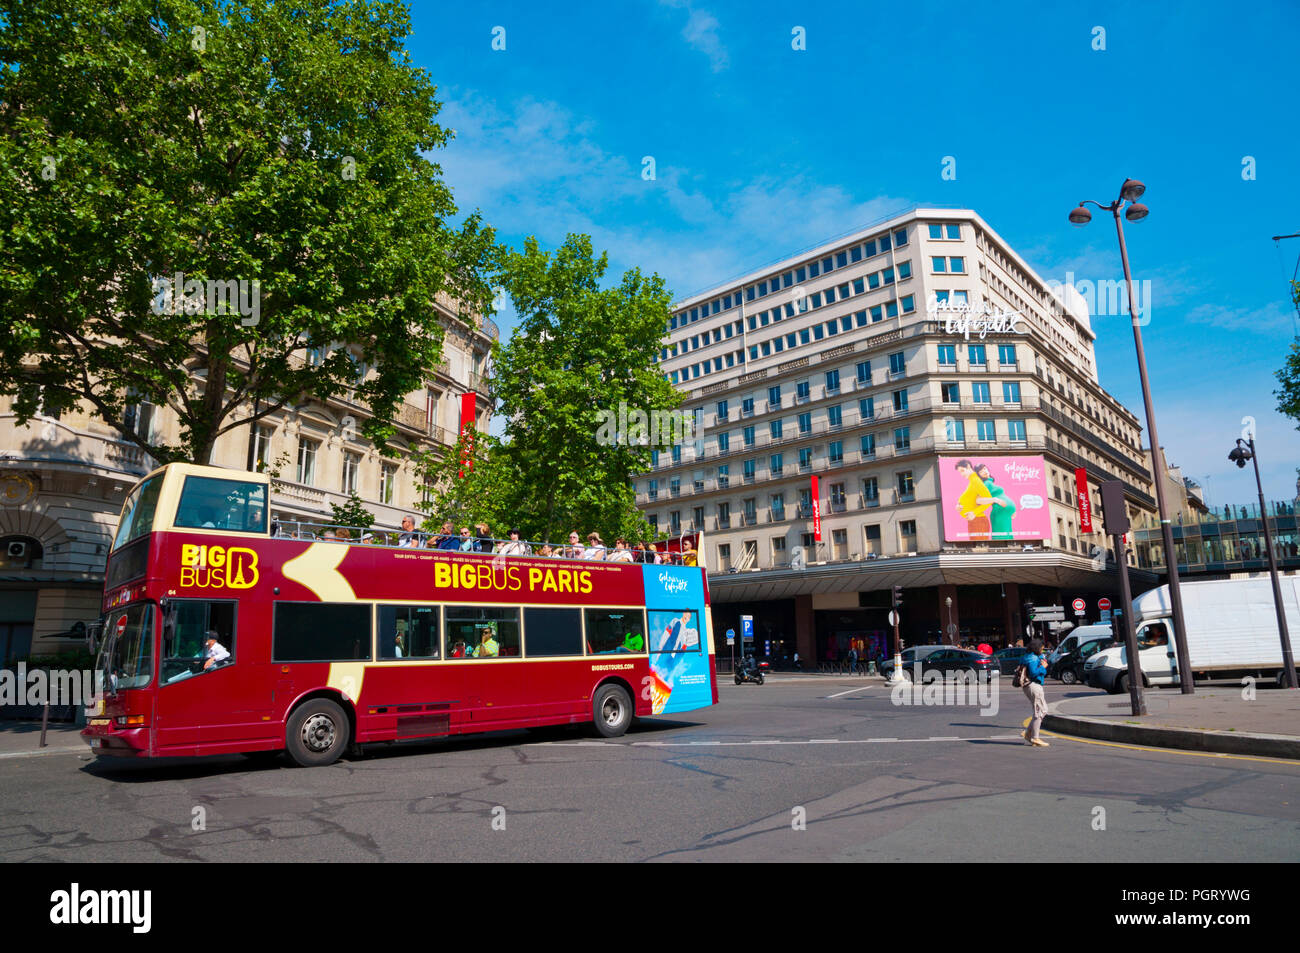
(207, 693)
(405, 696)
(492, 673)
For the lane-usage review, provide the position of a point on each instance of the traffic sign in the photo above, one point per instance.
(1049, 614)
(1103, 604)
(1079, 606)
(952, 628)
(893, 617)
(121, 625)
(731, 636)
(747, 627)
(1105, 615)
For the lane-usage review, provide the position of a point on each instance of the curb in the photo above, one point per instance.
(1186, 739)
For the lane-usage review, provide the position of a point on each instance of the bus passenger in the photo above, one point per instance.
(574, 549)
(621, 553)
(514, 547)
(487, 647)
(547, 551)
(688, 553)
(409, 539)
(595, 548)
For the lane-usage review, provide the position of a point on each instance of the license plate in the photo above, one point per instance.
(96, 743)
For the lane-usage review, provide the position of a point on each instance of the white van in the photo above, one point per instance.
(1084, 633)
(1231, 632)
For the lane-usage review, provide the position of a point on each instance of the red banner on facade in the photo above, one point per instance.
(468, 413)
(817, 512)
(1085, 501)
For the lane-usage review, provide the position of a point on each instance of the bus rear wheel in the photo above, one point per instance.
(317, 733)
(611, 710)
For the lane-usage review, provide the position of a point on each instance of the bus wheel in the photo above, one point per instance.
(317, 733)
(612, 710)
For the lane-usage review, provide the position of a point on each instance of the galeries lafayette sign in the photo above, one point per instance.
(979, 319)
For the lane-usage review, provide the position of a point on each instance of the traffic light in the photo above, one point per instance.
(898, 596)
(1029, 612)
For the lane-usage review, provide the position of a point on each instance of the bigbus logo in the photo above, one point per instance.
(218, 567)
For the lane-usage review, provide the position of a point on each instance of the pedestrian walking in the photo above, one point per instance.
(1029, 678)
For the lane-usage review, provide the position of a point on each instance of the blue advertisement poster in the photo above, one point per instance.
(678, 639)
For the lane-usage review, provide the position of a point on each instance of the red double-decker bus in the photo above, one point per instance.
(221, 637)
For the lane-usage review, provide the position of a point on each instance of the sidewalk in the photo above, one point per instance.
(1215, 719)
(23, 738)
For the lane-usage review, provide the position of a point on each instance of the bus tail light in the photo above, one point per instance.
(130, 721)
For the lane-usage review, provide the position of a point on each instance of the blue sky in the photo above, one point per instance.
(761, 150)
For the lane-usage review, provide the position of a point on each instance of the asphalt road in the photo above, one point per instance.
(802, 768)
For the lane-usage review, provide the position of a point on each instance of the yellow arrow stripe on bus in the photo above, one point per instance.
(347, 677)
(318, 570)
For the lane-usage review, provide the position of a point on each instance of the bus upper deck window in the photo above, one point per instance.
(211, 503)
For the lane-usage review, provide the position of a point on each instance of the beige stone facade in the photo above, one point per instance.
(63, 480)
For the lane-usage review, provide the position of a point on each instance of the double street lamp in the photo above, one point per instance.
(1245, 450)
(1135, 211)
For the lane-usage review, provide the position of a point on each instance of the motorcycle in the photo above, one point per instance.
(749, 671)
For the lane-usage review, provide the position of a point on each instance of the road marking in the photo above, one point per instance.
(794, 741)
(32, 754)
(1180, 751)
(849, 692)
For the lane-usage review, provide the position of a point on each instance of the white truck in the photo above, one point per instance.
(1231, 632)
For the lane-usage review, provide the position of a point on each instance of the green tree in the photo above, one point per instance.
(1288, 395)
(353, 513)
(580, 352)
(224, 141)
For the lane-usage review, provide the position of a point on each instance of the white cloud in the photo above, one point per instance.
(702, 32)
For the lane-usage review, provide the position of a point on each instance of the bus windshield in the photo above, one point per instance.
(138, 511)
(127, 655)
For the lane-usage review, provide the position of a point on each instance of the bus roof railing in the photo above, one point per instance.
(482, 545)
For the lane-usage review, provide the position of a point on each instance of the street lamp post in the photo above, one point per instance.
(1130, 192)
(1245, 450)
(951, 634)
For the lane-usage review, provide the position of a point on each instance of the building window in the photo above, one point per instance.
(351, 472)
(891, 309)
(907, 535)
(900, 238)
(1007, 355)
(905, 488)
(778, 507)
(722, 410)
(776, 465)
(868, 446)
(261, 447)
(747, 407)
(902, 439)
(805, 458)
(652, 490)
(724, 476)
(909, 304)
(724, 552)
(864, 372)
(387, 482)
(307, 461)
(724, 442)
(833, 415)
(871, 491)
(832, 382)
(836, 451)
(947, 355)
(775, 429)
(1011, 392)
(871, 539)
(773, 397)
(936, 231)
(677, 454)
(953, 231)
(867, 408)
(975, 353)
(837, 496)
(778, 548)
(938, 264)
(748, 469)
(802, 392)
(897, 363)
(986, 430)
(1016, 430)
(950, 392)
(675, 486)
(900, 401)
(957, 265)
(954, 430)
(980, 392)
(805, 422)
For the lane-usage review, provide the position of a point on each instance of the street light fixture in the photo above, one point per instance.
(1245, 450)
(1130, 192)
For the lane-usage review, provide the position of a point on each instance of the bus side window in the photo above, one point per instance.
(187, 629)
(408, 632)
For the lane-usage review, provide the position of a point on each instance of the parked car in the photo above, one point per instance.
(1076, 638)
(1068, 668)
(1009, 659)
(947, 659)
(910, 655)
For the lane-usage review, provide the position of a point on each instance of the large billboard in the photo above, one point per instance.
(987, 499)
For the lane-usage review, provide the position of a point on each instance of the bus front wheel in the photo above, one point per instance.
(317, 733)
(612, 710)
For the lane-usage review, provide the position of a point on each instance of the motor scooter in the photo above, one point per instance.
(749, 671)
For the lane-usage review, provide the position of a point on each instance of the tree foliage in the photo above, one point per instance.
(258, 141)
(353, 513)
(579, 349)
(1288, 395)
